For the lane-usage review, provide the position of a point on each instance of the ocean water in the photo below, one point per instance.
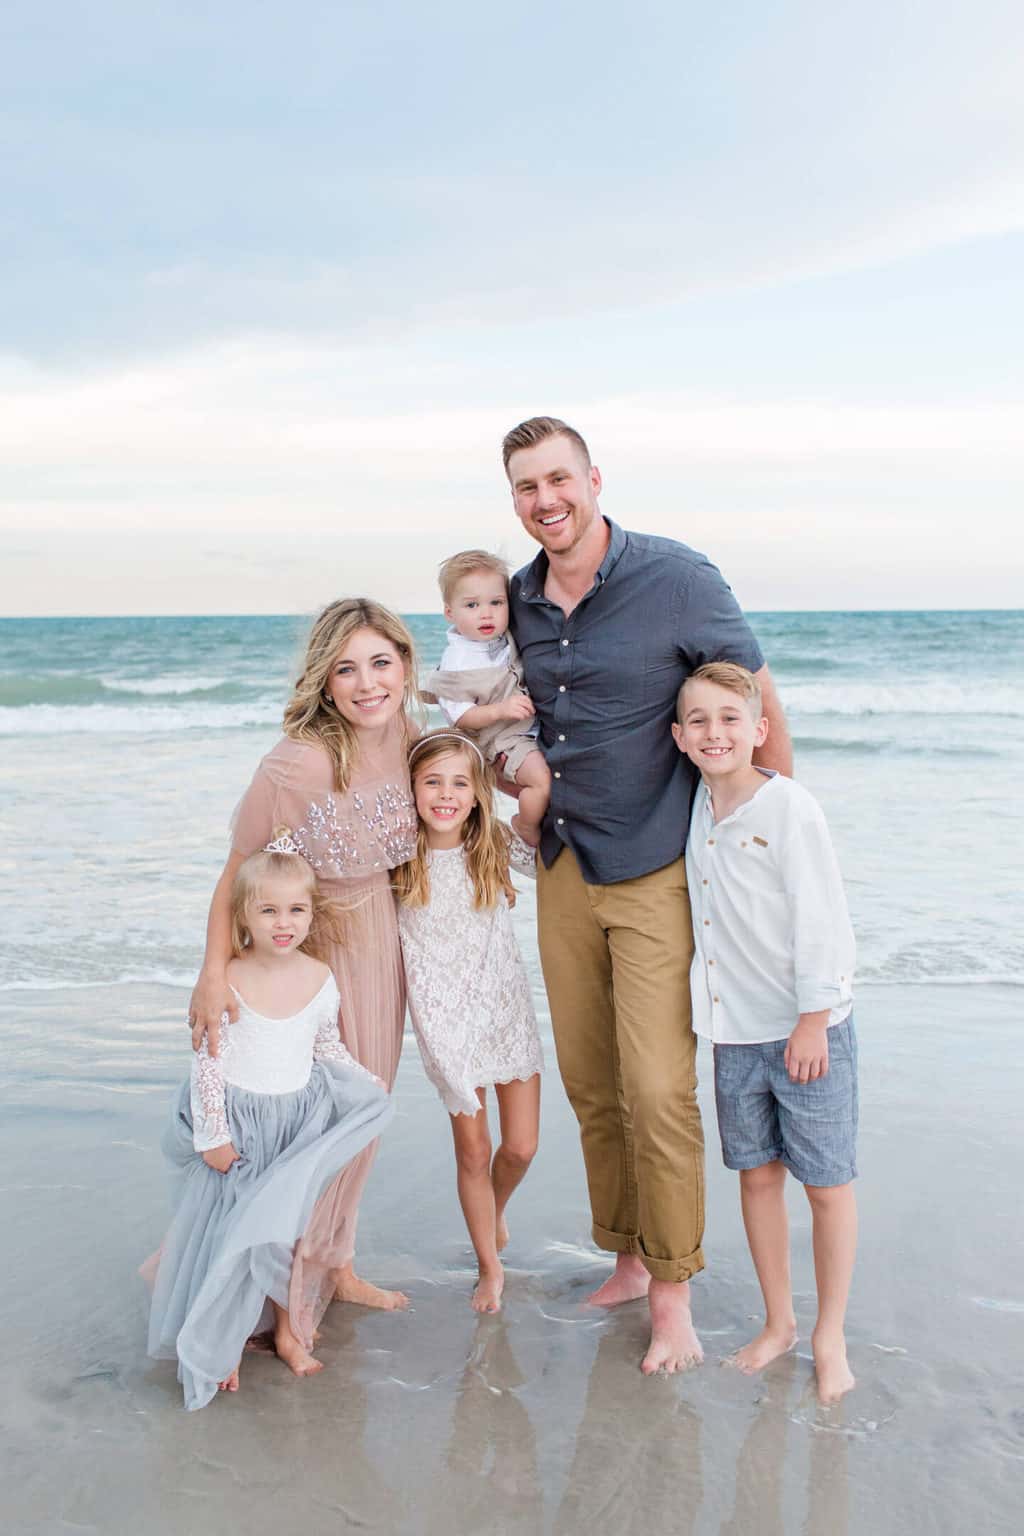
(125, 744)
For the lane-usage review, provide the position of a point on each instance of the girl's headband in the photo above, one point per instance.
(457, 736)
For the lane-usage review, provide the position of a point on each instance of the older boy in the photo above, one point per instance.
(771, 980)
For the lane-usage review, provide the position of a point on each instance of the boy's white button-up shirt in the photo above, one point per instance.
(772, 935)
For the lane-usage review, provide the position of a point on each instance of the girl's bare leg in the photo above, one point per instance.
(834, 1228)
(519, 1113)
(763, 1198)
(288, 1347)
(476, 1196)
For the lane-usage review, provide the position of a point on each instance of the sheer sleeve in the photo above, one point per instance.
(327, 1044)
(209, 1120)
(521, 857)
(252, 825)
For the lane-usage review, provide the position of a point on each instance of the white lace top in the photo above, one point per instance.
(264, 1055)
(469, 995)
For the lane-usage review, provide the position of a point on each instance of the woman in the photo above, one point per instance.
(338, 779)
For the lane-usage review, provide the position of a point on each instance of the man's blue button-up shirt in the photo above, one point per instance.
(604, 683)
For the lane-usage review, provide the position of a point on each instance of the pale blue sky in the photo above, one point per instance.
(276, 278)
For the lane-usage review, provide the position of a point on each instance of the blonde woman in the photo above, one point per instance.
(339, 780)
(469, 995)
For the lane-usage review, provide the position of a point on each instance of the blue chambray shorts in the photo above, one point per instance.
(763, 1117)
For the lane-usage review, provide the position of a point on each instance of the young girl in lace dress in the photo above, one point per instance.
(256, 1136)
(468, 991)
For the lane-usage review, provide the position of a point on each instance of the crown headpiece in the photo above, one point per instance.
(456, 736)
(285, 843)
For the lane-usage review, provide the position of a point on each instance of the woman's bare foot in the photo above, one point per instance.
(768, 1346)
(833, 1373)
(488, 1289)
(230, 1383)
(674, 1345)
(629, 1282)
(501, 1233)
(294, 1356)
(349, 1287)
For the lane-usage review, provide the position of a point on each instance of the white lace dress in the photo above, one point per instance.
(469, 995)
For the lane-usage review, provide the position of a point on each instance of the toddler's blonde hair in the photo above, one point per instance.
(466, 563)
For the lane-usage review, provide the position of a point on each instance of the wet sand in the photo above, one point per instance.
(537, 1421)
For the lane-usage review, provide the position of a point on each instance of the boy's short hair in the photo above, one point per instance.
(725, 674)
(537, 430)
(456, 567)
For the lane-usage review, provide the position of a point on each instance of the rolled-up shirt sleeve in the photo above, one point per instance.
(823, 943)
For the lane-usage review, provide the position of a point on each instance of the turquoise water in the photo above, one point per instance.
(125, 743)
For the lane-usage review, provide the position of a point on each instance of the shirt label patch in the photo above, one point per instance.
(760, 842)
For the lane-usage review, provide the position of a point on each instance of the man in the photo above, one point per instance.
(609, 624)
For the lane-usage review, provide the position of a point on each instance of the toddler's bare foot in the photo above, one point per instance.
(529, 831)
(834, 1376)
(501, 1233)
(768, 1346)
(294, 1356)
(674, 1345)
(488, 1289)
(349, 1287)
(629, 1282)
(230, 1383)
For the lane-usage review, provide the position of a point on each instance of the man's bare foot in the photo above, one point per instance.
(629, 1282)
(488, 1289)
(294, 1356)
(674, 1346)
(529, 831)
(501, 1233)
(768, 1346)
(833, 1373)
(349, 1287)
(230, 1383)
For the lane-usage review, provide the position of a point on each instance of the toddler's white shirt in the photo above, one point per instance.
(772, 935)
(462, 655)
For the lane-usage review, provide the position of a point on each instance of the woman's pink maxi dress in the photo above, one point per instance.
(353, 839)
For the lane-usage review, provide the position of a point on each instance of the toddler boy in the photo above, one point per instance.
(772, 982)
(479, 683)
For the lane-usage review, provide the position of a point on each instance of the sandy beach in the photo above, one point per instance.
(538, 1421)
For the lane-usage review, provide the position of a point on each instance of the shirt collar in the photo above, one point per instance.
(492, 649)
(532, 589)
(741, 810)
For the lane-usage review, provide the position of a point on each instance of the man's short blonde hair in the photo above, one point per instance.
(725, 674)
(466, 563)
(537, 430)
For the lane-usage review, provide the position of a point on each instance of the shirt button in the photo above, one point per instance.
(711, 841)
(711, 962)
(561, 687)
(565, 642)
(561, 737)
(714, 999)
(561, 821)
(558, 776)
(707, 922)
(703, 882)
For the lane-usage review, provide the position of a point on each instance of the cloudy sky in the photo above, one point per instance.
(276, 279)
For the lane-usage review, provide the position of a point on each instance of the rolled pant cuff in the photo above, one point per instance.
(616, 1242)
(675, 1270)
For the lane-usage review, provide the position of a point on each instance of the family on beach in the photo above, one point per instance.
(686, 885)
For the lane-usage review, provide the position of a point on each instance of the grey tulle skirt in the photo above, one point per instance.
(241, 1239)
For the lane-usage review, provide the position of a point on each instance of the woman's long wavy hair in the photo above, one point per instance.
(484, 837)
(310, 714)
(327, 927)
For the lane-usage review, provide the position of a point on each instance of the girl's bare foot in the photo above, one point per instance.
(674, 1345)
(349, 1287)
(629, 1282)
(768, 1346)
(230, 1383)
(833, 1373)
(501, 1233)
(488, 1289)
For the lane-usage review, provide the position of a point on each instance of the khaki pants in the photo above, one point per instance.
(616, 962)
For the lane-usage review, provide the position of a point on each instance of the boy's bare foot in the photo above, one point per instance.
(294, 1356)
(349, 1287)
(674, 1345)
(529, 831)
(488, 1289)
(768, 1346)
(230, 1383)
(833, 1373)
(501, 1233)
(629, 1282)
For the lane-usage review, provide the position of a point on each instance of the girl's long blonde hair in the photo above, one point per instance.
(328, 916)
(484, 838)
(310, 714)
